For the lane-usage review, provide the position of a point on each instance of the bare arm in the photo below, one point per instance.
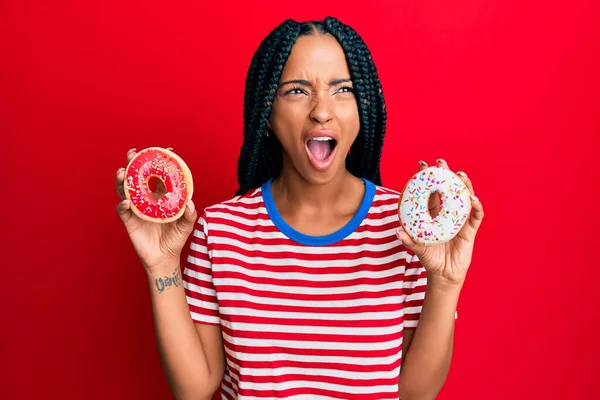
(427, 351)
(191, 354)
(407, 337)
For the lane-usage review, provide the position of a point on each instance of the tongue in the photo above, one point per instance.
(320, 149)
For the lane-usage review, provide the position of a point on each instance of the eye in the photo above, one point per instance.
(295, 90)
(345, 89)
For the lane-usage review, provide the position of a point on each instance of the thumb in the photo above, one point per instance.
(190, 215)
(409, 243)
(185, 224)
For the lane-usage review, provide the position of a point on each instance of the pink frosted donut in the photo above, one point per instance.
(413, 207)
(171, 171)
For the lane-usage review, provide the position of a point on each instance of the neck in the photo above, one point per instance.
(293, 190)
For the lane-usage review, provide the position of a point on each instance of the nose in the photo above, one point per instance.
(322, 111)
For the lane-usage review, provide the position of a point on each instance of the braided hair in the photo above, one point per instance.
(261, 156)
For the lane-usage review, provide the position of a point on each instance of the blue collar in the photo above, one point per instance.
(325, 240)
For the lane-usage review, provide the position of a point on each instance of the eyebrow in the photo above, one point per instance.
(304, 82)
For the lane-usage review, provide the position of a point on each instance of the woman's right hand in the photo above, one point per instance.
(156, 244)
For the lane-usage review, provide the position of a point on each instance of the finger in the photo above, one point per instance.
(422, 165)
(119, 178)
(407, 241)
(477, 213)
(466, 181)
(124, 211)
(130, 154)
(190, 215)
(440, 162)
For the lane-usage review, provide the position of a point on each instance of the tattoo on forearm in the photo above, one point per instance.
(167, 282)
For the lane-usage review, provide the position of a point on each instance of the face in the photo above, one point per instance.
(314, 114)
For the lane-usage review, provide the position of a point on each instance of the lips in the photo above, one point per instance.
(321, 147)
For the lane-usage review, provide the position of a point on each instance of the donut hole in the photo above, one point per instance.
(435, 204)
(157, 187)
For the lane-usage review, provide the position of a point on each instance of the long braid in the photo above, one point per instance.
(272, 159)
(254, 128)
(260, 156)
(379, 114)
(365, 154)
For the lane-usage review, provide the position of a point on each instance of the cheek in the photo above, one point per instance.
(287, 125)
(287, 120)
(348, 116)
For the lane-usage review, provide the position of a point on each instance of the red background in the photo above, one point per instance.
(507, 91)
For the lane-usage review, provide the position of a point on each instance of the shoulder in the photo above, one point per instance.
(246, 206)
(384, 191)
(383, 207)
(385, 196)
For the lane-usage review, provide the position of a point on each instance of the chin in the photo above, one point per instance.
(322, 177)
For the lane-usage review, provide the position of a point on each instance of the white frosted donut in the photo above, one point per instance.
(414, 211)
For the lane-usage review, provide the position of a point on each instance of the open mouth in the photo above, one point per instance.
(321, 150)
(321, 147)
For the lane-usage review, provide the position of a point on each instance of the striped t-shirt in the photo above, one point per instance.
(305, 317)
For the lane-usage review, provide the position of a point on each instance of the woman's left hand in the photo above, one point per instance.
(448, 262)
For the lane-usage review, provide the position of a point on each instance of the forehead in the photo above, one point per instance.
(314, 57)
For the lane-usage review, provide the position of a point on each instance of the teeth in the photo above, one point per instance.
(322, 139)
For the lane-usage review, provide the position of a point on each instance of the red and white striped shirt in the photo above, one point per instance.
(305, 317)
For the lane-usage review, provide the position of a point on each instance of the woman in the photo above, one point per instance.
(303, 285)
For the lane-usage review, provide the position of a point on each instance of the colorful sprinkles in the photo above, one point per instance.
(454, 210)
(156, 163)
